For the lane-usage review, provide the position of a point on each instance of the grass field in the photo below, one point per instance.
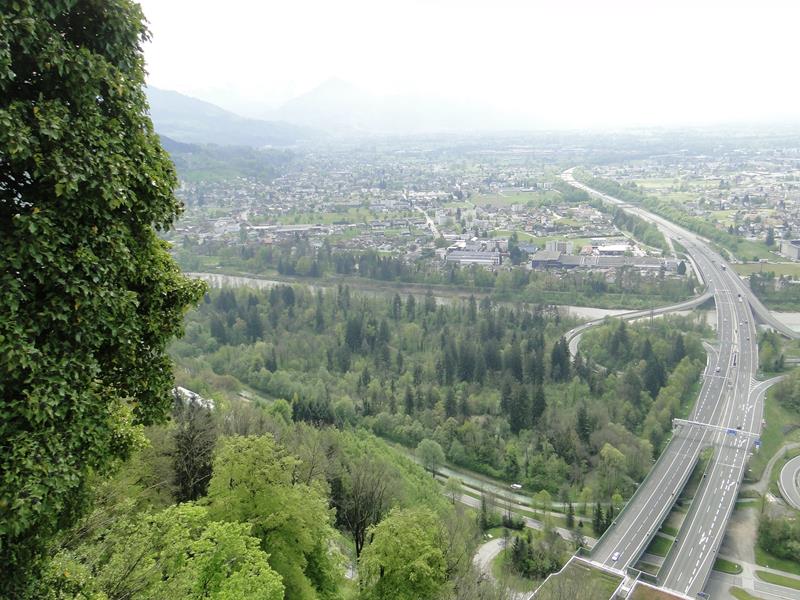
(779, 268)
(591, 583)
(727, 566)
(659, 546)
(501, 571)
(772, 435)
(765, 559)
(750, 250)
(643, 592)
(789, 582)
(511, 197)
(741, 594)
(776, 470)
(669, 530)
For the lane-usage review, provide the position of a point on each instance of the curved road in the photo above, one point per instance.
(727, 416)
(789, 482)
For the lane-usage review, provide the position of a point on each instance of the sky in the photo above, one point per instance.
(558, 63)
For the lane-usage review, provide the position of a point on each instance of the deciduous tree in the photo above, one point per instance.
(89, 296)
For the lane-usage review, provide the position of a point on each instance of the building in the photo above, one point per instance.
(791, 249)
(467, 257)
(613, 249)
(546, 259)
(563, 246)
(553, 260)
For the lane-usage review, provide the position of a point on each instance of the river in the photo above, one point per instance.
(218, 280)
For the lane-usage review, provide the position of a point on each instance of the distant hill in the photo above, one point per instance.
(340, 107)
(213, 162)
(188, 119)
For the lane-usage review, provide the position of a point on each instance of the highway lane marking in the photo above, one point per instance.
(727, 413)
(722, 407)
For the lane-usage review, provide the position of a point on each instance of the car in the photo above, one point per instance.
(615, 557)
(717, 370)
(515, 486)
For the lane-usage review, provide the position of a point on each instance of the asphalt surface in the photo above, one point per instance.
(728, 414)
(789, 482)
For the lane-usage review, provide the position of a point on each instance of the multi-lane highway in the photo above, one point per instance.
(727, 417)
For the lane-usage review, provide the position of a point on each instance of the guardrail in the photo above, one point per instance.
(670, 557)
(642, 486)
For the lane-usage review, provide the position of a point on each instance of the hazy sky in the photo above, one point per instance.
(563, 63)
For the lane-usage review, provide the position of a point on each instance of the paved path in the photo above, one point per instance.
(486, 554)
(789, 482)
(762, 484)
(483, 558)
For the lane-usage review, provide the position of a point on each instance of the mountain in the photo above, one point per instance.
(335, 105)
(188, 119)
(340, 107)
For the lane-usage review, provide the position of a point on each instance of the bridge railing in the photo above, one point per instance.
(643, 485)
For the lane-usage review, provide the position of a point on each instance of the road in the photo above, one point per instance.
(573, 336)
(727, 417)
(431, 225)
(789, 482)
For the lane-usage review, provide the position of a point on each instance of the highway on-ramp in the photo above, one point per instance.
(789, 482)
(727, 417)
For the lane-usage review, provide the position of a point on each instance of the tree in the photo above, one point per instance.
(770, 239)
(365, 498)
(175, 553)
(681, 270)
(570, 516)
(430, 454)
(405, 559)
(254, 482)
(89, 296)
(452, 489)
(195, 436)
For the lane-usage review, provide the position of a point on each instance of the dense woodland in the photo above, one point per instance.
(241, 502)
(493, 386)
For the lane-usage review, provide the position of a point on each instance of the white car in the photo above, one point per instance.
(515, 486)
(615, 557)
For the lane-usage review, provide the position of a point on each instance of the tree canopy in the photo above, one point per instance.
(254, 481)
(406, 558)
(89, 296)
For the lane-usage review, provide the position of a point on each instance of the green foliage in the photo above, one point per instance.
(88, 294)
(660, 364)
(777, 292)
(537, 557)
(770, 352)
(175, 553)
(405, 559)
(254, 482)
(430, 455)
(780, 536)
(669, 210)
(492, 386)
(787, 391)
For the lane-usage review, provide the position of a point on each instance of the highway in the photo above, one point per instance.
(727, 417)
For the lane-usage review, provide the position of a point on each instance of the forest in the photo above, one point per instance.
(493, 386)
(241, 502)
